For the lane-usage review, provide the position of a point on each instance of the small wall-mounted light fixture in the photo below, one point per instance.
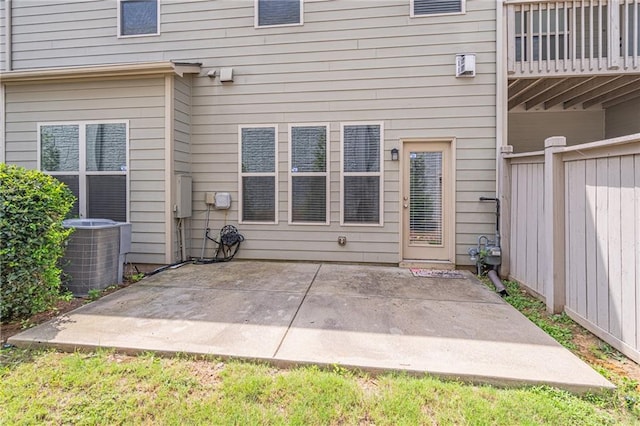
(395, 154)
(211, 74)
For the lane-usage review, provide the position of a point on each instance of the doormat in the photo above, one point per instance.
(435, 273)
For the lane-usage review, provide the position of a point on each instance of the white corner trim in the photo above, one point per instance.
(168, 167)
(3, 122)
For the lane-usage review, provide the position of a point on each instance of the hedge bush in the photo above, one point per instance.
(31, 240)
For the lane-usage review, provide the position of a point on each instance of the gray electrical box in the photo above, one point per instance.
(182, 206)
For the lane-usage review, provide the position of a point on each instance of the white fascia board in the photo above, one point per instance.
(112, 70)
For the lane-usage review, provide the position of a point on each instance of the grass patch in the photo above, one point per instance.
(563, 329)
(48, 387)
(557, 326)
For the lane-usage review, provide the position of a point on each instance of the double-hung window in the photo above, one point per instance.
(258, 171)
(138, 17)
(308, 174)
(361, 184)
(269, 13)
(92, 159)
(436, 7)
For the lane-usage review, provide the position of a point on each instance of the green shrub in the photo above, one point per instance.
(31, 240)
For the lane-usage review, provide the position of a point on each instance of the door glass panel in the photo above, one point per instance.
(425, 192)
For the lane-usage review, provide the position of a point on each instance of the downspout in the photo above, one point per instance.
(7, 39)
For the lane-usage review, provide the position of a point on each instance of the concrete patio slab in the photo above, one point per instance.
(358, 280)
(175, 320)
(372, 318)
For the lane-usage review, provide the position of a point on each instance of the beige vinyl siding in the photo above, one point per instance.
(141, 101)
(351, 61)
(182, 124)
(84, 32)
(623, 119)
(528, 130)
(181, 145)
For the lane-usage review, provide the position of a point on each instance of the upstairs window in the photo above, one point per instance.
(138, 17)
(270, 13)
(436, 7)
(258, 171)
(362, 173)
(91, 159)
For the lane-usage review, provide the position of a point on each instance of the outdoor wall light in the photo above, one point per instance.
(395, 154)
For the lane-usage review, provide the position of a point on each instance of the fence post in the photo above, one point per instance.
(554, 224)
(505, 210)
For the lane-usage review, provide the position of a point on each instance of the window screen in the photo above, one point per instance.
(279, 12)
(107, 197)
(138, 17)
(258, 171)
(73, 183)
(362, 173)
(433, 7)
(361, 199)
(258, 199)
(308, 174)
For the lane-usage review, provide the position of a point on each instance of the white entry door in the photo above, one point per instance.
(427, 205)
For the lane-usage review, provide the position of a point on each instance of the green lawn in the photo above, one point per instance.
(47, 387)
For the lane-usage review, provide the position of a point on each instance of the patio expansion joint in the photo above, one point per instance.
(243, 290)
(295, 315)
(432, 299)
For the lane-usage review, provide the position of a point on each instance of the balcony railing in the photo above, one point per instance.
(572, 37)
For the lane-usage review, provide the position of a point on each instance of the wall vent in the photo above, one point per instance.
(466, 65)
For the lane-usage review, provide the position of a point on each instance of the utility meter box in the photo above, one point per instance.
(182, 206)
(222, 200)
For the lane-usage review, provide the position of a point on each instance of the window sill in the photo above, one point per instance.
(138, 35)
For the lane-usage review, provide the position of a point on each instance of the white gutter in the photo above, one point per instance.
(7, 37)
(99, 71)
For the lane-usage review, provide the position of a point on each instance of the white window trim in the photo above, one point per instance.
(327, 174)
(463, 10)
(119, 33)
(82, 160)
(241, 174)
(256, 16)
(380, 173)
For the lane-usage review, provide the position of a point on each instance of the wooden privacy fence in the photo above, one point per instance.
(572, 215)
